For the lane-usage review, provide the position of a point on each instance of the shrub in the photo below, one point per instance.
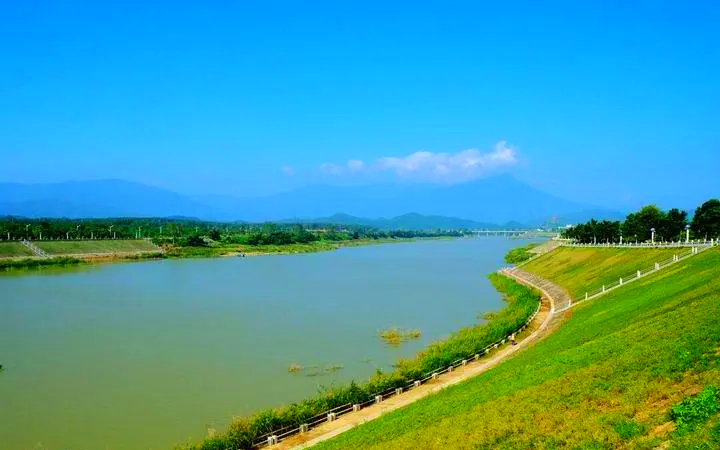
(694, 411)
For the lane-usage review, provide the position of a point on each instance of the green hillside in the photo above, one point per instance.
(13, 249)
(95, 247)
(634, 369)
(584, 269)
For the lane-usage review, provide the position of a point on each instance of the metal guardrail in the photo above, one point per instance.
(276, 436)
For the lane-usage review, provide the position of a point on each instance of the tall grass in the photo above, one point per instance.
(520, 254)
(36, 263)
(521, 303)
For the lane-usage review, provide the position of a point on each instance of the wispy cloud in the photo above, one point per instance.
(287, 170)
(441, 167)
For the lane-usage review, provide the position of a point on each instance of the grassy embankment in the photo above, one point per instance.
(521, 303)
(634, 369)
(13, 250)
(583, 269)
(95, 247)
(72, 253)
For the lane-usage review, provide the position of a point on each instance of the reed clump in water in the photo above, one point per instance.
(294, 368)
(244, 432)
(395, 336)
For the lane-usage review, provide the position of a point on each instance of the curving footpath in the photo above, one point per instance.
(553, 299)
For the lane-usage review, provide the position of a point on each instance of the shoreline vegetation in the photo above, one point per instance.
(64, 242)
(183, 252)
(243, 432)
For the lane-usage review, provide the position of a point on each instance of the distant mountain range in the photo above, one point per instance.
(410, 221)
(496, 200)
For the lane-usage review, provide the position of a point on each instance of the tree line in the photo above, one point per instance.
(197, 233)
(638, 226)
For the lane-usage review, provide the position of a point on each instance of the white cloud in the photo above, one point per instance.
(331, 169)
(355, 165)
(287, 170)
(435, 167)
(449, 167)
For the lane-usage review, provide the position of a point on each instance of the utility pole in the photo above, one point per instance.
(111, 227)
(77, 231)
(27, 236)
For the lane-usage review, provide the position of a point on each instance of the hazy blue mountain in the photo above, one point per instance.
(495, 200)
(102, 198)
(410, 221)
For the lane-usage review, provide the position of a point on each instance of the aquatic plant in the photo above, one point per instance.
(294, 368)
(395, 336)
(244, 432)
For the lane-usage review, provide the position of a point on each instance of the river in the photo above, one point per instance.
(150, 354)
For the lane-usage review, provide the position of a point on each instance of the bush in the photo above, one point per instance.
(694, 411)
(520, 254)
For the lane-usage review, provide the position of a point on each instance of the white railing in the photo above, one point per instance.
(34, 248)
(711, 242)
(605, 288)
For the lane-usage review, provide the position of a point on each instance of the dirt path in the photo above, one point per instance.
(545, 322)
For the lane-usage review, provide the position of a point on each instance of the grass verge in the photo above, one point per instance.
(607, 379)
(584, 269)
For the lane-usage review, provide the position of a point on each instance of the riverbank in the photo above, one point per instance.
(19, 263)
(522, 304)
(603, 380)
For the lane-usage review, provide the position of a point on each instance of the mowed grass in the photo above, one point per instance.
(95, 247)
(608, 378)
(13, 249)
(580, 270)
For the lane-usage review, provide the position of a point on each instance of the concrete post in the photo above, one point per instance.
(476, 357)
(272, 440)
(639, 274)
(398, 391)
(304, 428)
(378, 398)
(657, 266)
(620, 281)
(450, 368)
(464, 362)
(356, 408)
(416, 383)
(586, 296)
(434, 376)
(603, 288)
(331, 416)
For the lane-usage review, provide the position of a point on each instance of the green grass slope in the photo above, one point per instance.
(584, 269)
(13, 249)
(92, 247)
(634, 369)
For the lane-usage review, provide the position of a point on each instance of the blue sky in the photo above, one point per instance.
(600, 102)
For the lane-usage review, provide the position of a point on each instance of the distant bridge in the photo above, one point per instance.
(514, 233)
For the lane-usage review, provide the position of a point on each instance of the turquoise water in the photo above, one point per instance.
(150, 354)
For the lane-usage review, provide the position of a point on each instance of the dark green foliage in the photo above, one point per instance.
(195, 241)
(628, 429)
(706, 221)
(694, 411)
(669, 226)
(520, 254)
(522, 302)
(180, 231)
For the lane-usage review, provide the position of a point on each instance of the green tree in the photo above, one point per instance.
(706, 221)
(637, 225)
(673, 226)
